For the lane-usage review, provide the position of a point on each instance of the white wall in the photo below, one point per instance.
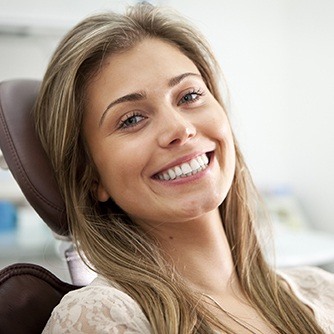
(277, 56)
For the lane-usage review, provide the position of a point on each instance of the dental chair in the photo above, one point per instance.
(28, 292)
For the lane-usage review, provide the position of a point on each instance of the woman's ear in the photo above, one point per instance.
(100, 192)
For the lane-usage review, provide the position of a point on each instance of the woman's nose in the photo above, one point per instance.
(175, 129)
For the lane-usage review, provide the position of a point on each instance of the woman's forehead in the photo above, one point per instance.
(151, 64)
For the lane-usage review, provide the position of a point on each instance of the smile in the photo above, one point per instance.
(185, 169)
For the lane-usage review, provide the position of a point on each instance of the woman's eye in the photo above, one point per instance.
(190, 97)
(131, 120)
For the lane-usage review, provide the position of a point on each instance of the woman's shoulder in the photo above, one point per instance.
(315, 288)
(97, 308)
(307, 271)
(309, 279)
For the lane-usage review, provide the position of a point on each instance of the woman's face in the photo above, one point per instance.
(161, 142)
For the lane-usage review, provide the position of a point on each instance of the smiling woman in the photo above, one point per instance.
(155, 105)
(158, 195)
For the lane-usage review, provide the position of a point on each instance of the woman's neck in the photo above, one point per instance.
(200, 252)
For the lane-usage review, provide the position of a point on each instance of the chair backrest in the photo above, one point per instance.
(24, 154)
(28, 294)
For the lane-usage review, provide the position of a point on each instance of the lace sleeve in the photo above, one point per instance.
(315, 288)
(97, 309)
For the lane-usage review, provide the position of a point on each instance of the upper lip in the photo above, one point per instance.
(181, 160)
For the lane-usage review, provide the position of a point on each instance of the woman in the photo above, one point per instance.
(159, 199)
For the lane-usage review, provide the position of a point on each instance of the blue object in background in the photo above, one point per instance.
(8, 217)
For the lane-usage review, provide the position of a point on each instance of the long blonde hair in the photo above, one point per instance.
(116, 247)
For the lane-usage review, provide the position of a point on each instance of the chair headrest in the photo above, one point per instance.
(25, 155)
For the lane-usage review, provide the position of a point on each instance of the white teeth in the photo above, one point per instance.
(186, 169)
(205, 159)
(194, 164)
(171, 174)
(200, 161)
(178, 171)
(166, 176)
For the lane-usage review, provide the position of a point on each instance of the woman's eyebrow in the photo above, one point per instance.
(126, 98)
(176, 80)
(132, 97)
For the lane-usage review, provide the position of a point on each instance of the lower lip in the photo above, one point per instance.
(191, 178)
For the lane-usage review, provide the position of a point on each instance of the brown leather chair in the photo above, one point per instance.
(28, 293)
(24, 154)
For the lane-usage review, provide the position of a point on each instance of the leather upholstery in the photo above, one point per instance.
(28, 294)
(24, 154)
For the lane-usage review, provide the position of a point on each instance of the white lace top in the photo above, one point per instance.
(102, 308)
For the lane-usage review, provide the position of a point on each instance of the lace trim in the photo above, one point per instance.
(102, 308)
(97, 309)
(315, 288)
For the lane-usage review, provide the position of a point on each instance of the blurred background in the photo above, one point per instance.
(277, 58)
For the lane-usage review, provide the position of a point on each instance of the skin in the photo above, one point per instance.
(167, 131)
(168, 117)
